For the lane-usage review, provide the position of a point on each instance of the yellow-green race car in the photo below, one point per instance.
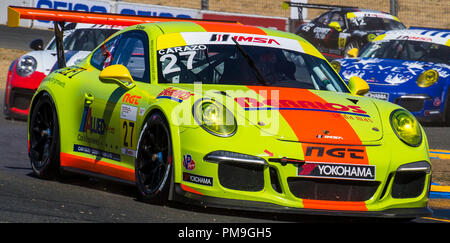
(228, 115)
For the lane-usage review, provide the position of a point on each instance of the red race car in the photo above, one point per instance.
(26, 72)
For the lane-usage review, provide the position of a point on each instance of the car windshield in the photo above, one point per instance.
(408, 50)
(227, 65)
(374, 23)
(83, 39)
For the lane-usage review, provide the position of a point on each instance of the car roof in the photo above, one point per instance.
(71, 26)
(219, 27)
(427, 35)
(168, 28)
(347, 10)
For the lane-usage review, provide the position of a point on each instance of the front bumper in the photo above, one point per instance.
(274, 184)
(183, 195)
(18, 102)
(422, 106)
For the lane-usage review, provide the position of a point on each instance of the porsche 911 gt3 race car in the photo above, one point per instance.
(26, 72)
(407, 67)
(337, 31)
(233, 116)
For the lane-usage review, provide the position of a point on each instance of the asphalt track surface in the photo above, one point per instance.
(25, 198)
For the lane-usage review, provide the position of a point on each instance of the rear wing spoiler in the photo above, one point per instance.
(60, 17)
(300, 6)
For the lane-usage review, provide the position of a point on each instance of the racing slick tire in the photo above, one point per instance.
(154, 160)
(447, 110)
(44, 140)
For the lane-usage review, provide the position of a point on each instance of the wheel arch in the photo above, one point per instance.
(175, 139)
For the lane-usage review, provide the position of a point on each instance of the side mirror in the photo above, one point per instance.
(353, 53)
(358, 86)
(335, 25)
(37, 44)
(118, 74)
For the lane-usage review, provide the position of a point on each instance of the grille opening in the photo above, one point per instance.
(332, 189)
(408, 184)
(20, 98)
(242, 177)
(411, 104)
(274, 180)
(388, 181)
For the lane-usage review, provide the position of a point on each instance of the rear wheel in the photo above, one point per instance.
(44, 138)
(153, 166)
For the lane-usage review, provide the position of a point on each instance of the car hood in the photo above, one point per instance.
(388, 71)
(300, 115)
(47, 59)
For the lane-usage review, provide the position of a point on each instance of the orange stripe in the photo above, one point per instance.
(334, 205)
(308, 124)
(189, 189)
(233, 28)
(97, 166)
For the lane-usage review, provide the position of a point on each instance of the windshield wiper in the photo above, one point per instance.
(251, 63)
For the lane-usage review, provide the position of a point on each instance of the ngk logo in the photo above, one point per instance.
(241, 38)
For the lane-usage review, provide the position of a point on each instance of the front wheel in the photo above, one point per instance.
(447, 109)
(44, 138)
(153, 166)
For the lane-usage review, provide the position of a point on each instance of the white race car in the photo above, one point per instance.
(26, 72)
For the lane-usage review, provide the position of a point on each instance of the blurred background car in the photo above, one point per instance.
(342, 28)
(407, 67)
(26, 72)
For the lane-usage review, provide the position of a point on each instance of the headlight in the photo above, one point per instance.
(214, 117)
(427, 78)
(26, 65)
(406, 127)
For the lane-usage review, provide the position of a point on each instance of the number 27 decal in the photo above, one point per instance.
(128, 134)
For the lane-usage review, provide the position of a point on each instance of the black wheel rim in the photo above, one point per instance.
(41, 135)
(154, 158)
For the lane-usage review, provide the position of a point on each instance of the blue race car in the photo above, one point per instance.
(408, 67)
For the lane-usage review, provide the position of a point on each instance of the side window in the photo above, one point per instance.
(324, 19)
(102, 57)
(337, 18)
(132, 52)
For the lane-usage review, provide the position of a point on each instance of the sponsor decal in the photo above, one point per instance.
(241, 38)
(337, 152)
(131, 99)
(378, 95)
(96, 152)
(128, 112)
(154, 10)
(142, 111)
(129, 152)
(175, 94)
(182, 49)
(188, 162)
(338, 171)
(416, 38)
(253, 104)
(201, 180)
(88, 6)
(70, 71)
(354, 118)
(91, 123)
